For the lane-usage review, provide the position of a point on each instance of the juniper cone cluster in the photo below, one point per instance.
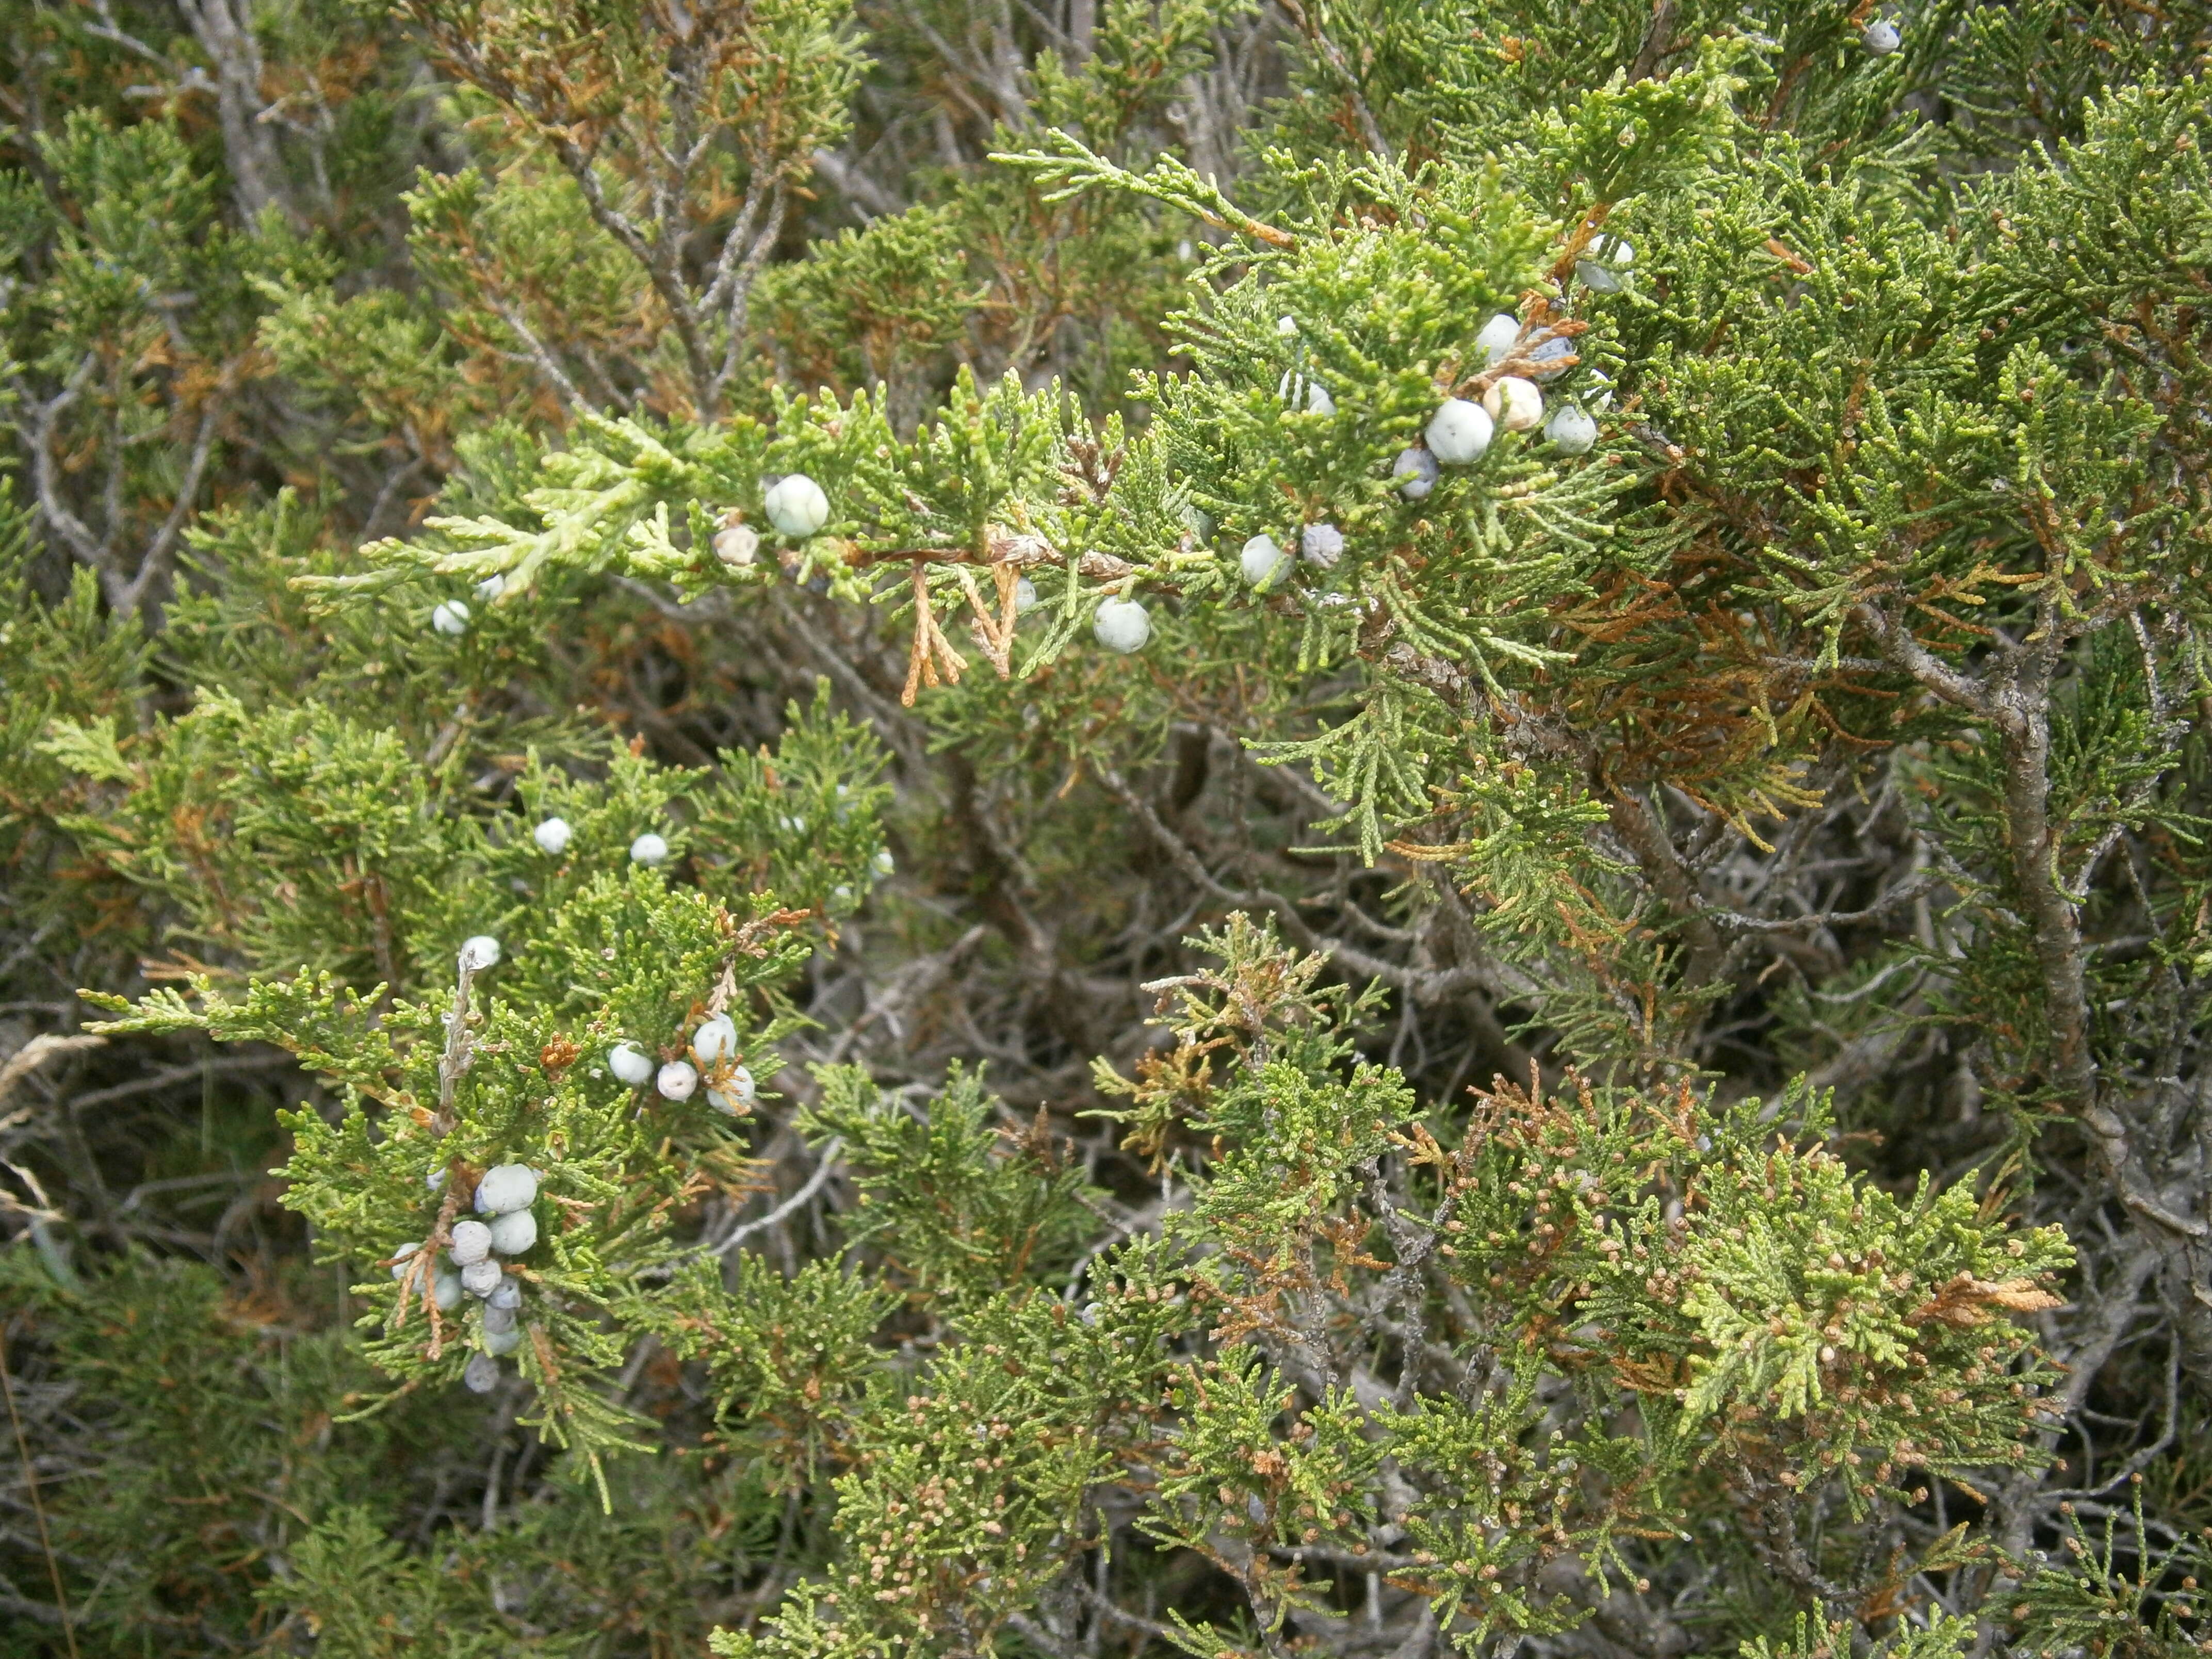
(1373, 828)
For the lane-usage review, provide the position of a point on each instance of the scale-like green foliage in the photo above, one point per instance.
(1672, 1118)
(595, 951)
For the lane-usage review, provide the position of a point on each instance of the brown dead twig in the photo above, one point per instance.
(932, 659)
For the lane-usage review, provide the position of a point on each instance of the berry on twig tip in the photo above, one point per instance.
(514, 1233)
(1122, 625)
(1417, 467)
(796, 506)
(1260, 560)
(1459, 431)
(1514, 404)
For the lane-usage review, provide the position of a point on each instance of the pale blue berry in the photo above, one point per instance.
(1458, 433)
(1320, 545)
(1571, 430)
(507, 1188)
(732, 1091)
(796, 506)
(514, 1233)
(1418, 469)
(471, 1242)
(1549, 353)
(1260, 560)
(481, 1278)
(629, 1063)
(1122, 625)
(714, 1042)
(1497, 339)
(1514, 404)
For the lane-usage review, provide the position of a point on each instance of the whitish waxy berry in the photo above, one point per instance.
(1418, 469)
(553, 837)
(629, 1063)
(796, 506)
(497, 1320)
(1260, 560)
(1025, 597)
(1571, 431)
(434, 1180)
(446, 1291)
(736, 544)
(480, 952)
(1458, 433)
(1122, 625)
(471, 1242)
(507, 1188)
(514, 1232)
(1514, 404)
(1549, 353)
(733, 1092)
(883, 863)
(481, 1278)
(498, 1342)
(481, 1376)
(450, 617)
(648, 849)
(505, 1294)
(1880, 36)
(1320, 544)
(1600, 269)
(714, 1042)
(1286, 326)
(1498, 337)
(404, 1261)
(677, 1080)
(491, 587)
